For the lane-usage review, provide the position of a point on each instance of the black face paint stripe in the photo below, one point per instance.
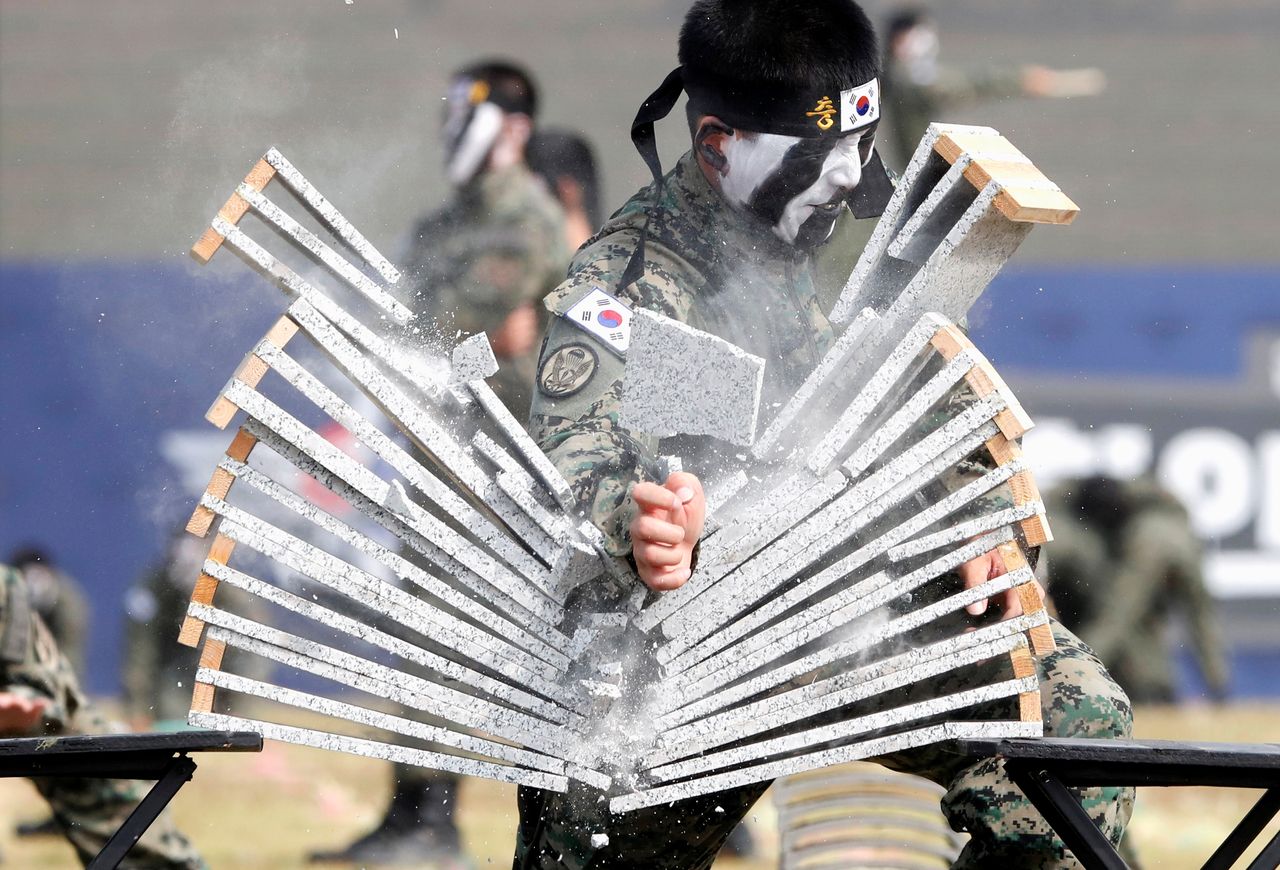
(799, 168)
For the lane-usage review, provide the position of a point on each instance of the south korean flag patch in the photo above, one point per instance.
(860, 106)
(605, 318)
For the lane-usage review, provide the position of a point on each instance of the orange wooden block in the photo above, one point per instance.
(206, 586)
(232, 210)
(251, 371)
(979, 146)
(202, 698)
(241, 446)
(1028, 702)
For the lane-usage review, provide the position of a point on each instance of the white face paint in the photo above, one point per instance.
(470, 131)
(763, 168)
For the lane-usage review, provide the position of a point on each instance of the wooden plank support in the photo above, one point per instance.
(206, 586)
(232, 210)
(1026, 195)
(1024, 666)
(1035, 529)
(250, 371)
(220, 484)
(1032, 599)
(950, 341)
(210, 657)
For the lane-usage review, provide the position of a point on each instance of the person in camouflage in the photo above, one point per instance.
(480, 264)
(723, 243)
(1123, 560)
(919, 91)
(483, 262)
(59, 600)
(40, 696)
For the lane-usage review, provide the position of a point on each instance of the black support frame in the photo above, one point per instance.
(1047, 769)
(160, 757)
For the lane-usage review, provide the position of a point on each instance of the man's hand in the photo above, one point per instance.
(666, 528)
(986, 567)
(20, 714)
(517, 334)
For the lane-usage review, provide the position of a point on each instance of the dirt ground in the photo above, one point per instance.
(268, 810)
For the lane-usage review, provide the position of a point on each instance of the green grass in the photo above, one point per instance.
(268, 810)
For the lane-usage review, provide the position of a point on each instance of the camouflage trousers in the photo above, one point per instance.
(1078, 697)
(89, 810)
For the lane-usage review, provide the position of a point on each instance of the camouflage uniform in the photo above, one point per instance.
(89, 810)
(718, 271)
(497, 246)
(1116, 588)
(60, 601)
(915, 98)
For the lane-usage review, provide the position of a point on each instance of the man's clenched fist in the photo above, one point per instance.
(666, 527)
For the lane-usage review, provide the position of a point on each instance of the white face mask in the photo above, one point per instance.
(796, 184)
(470, 130)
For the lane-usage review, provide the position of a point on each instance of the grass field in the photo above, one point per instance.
(268, 810)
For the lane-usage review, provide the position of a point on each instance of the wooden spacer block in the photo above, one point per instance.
(206, 586)
(1014, 558)
(979, 146)
(281, 331)
(189, 634)
(1028, 702)
(1029, 597)
(221, 412)
(241, 446)
(210, 657)
(202, 698)
(232, 210)
(201, 521)
(251, 371)
(950, 341)
(1036, 530)
(1033, 205)
(212, 653)
(1002, 449)
(219, 487)
(1007, 173)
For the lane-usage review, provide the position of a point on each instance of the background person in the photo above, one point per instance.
(919, 90)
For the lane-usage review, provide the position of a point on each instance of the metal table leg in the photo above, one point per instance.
(1249, 828)
(1062, 810)
(178, 774)
(1268, 858)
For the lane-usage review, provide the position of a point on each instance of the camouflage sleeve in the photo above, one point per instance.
(578, 389)
(574, 419)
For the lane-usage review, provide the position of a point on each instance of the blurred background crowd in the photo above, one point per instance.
(1144, 340)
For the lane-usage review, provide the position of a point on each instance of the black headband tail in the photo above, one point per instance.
(871, 197)
(655, 107)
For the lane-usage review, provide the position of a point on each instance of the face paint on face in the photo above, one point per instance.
(796, 185)
(471, 127)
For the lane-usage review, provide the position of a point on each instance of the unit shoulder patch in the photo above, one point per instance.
(567, 370)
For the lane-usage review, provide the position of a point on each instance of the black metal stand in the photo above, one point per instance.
(1047, 769)
(162, 757)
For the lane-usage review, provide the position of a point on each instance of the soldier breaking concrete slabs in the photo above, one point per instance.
(516, 645)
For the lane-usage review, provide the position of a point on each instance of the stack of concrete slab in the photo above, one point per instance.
(436, 558)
